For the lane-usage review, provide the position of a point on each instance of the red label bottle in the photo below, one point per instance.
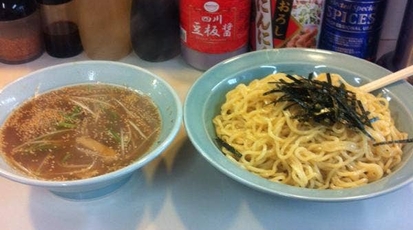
(212, 31)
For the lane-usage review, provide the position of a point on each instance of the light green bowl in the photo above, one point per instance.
(208, 93)
(109, 72)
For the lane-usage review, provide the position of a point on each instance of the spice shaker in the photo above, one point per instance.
(155, 29)
(60, 30)
(212, 31)
(352, 27)
(105, 28)
(20, 31)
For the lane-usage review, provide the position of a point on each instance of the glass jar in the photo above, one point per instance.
(60, 30)
(20, 31)
(105, 28)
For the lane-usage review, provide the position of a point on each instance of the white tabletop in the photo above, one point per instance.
(181, 190)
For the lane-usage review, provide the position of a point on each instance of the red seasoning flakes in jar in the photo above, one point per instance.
(212, 31)
(20, 32)
(285, 23)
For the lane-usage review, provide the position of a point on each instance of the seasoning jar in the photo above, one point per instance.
(352, 27)
(105, 28)
(60, 30)
(155, 29)
(212, 31)
(20, 31)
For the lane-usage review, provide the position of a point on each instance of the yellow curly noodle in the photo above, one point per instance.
(305, 154)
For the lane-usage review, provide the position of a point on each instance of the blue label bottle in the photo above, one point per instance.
(352, 27)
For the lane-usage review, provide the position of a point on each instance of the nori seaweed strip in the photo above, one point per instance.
(329, 79)
(374, 119)
(322, 102)
(293, 78)
(393, 142)
(311, 76)
(228, 147)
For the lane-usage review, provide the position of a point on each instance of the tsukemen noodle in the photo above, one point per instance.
(80, 131)
(265, 127)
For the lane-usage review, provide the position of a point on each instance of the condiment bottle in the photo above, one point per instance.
(402, 56)
(285, 24)
(352, 27)
(60, 30)
(155, 29)
(105, 28)
(212, 31)
(20, 31)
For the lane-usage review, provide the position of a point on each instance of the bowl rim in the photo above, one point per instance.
(211, 153)
(120, 173)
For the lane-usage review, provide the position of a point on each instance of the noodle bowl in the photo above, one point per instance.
(282, 149)
(89, 74)
(207, 95)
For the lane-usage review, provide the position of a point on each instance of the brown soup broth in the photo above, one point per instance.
(80, 131)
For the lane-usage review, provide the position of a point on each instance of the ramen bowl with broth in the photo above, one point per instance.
(237, 152)
(82, 129)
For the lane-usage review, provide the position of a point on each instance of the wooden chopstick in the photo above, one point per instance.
(387, 80)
